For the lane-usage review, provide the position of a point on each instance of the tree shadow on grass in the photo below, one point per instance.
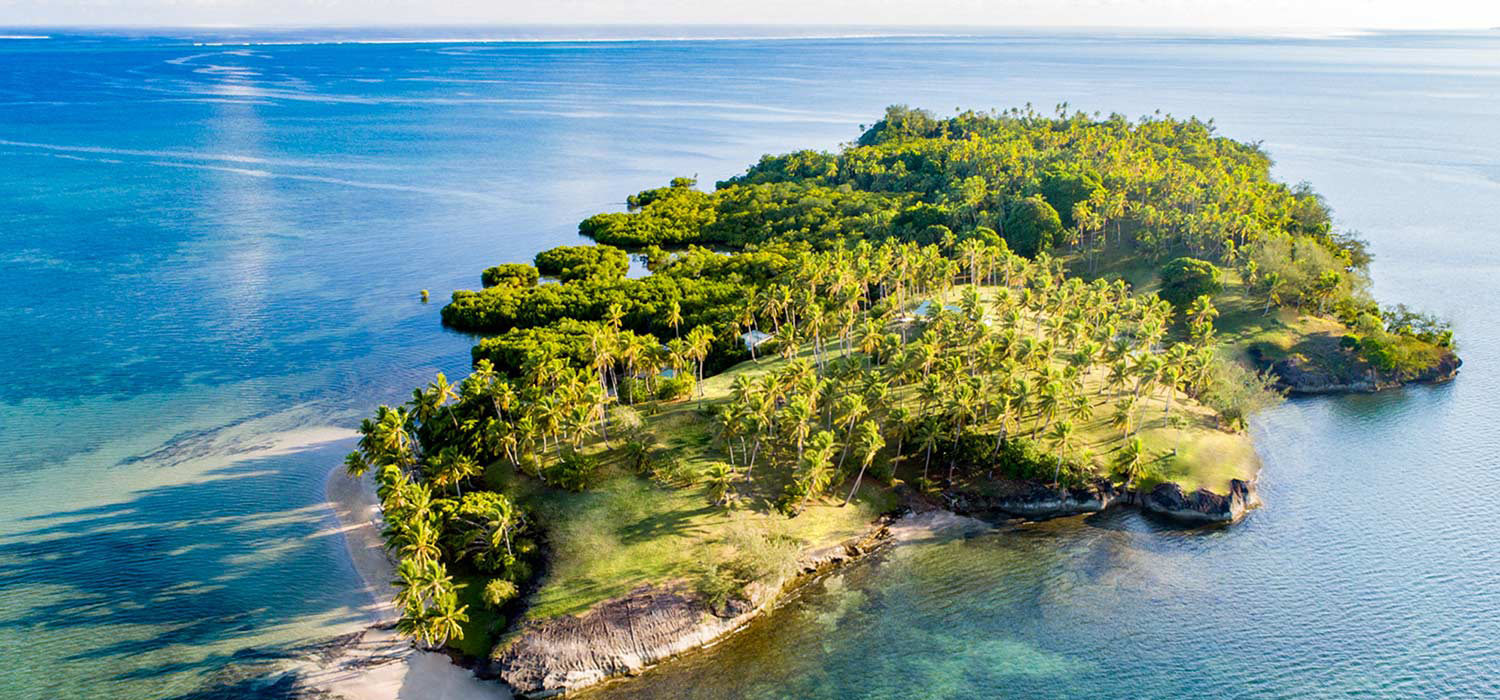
(168, 580)
(670, 523)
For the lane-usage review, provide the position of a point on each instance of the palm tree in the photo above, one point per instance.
(930, 432)
(850, 408)
(799, 415)
(817, 466)
(700, 339)
(450, 467)
(870, 337)
(442, 392)
(1048, 404)
(720, 477)
(355, 464)
(1130, 459)
(674, 317)
(1123, 416)
(391, 437)
(420, 542)
(1061, 437)
(407, 583)
(868, 438)
(445, 620)
(480, 382)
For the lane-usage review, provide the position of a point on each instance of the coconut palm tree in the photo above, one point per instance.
(850, 408)
(407, 583)
(817, 466)
(419, 542)
(1130, 459)
(1061, 437)
(720, 476)
(799, 419)
(869, 442)
(700, 339)
(674, 317)
(445, 620)
(442, 392)
(450, 467)
(1124, 415)
(928, 434)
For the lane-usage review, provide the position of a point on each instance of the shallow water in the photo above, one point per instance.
(213, 253)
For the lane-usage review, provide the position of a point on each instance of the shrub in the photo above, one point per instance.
(498, 592)
(673, 388)
(1186, 279)
(511, 275)
(575, 471)
(667, 468)
(1235, 391)
(749, 554)
(634, 390)
(1031, 226)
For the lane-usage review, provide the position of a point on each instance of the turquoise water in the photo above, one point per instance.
(212, 254)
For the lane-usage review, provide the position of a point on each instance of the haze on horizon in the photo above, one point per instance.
(1208, 14)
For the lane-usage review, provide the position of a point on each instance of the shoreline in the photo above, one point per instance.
(657, 623)
(376, 663)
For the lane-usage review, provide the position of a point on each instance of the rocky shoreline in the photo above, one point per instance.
(653, 623)
(626, 635)
(1300, 376)
(1036, 501)
(623, 636)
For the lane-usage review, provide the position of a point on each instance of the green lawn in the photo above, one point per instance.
(627, 530)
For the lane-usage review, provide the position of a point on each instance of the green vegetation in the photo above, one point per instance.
(579, 261)
(1186, 279)
(510, 275)
(950, 303)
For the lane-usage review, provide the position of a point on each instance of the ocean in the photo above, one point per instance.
(212, 245)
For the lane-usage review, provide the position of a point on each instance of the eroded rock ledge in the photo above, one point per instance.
(652, 623)
(1025, 499)
(1300, 376)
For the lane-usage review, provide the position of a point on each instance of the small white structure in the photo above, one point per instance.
(754, 339)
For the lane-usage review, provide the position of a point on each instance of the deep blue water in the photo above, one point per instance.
(211, 256)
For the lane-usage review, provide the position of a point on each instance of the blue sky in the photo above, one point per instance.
(1240, 14)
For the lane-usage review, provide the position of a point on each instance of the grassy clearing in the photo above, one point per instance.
(626, 530)
(629, 531)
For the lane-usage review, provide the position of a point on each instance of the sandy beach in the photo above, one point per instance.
(376, 664)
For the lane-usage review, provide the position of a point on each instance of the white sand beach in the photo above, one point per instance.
(379, 665)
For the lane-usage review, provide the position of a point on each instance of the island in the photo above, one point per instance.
(1003, 314)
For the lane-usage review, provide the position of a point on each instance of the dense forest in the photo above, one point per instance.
(943, 302)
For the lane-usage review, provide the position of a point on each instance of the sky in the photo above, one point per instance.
(1221, 14)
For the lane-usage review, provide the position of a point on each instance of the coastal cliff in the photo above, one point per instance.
(625, 635)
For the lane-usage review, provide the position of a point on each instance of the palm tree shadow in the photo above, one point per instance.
(171, 579)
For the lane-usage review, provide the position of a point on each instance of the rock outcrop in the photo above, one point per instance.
(625, 635)
(1202, 505)
(1034, 500)
(1300, 375)
(1038, 501)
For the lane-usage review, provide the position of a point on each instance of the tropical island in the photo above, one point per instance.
(1005, 314)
